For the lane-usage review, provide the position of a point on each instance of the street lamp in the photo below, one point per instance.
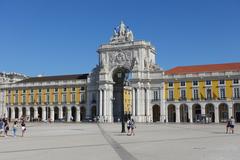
(123, 77)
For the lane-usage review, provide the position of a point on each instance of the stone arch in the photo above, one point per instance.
(119, 77)
(16, 109)
(94, 111)
(184, 113)
(196, 112)
(9, 114)
(83, 113)
(156, 113)
(24, 112)
(236, 112)
(56, 113)
(40, 110)
(64, 112)
(171, 113)
(31, 113)
(210, 113)
(223, 112)
(74, 113)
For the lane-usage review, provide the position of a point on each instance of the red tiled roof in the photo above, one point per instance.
(225, 67)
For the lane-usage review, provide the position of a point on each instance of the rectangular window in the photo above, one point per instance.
(82, 97)
(56, 98)
(155, 95)
(222, 93)
(82, 88)
(209, 93)
(24, 91)
(39, 90)
(64, 89)
(39, 99)
(32, 98)
(73, 97)
(235, 81)
(236, 93)
(31, 90)
(170, 84)
(16, 91)
(195, 83)
(183, 83)
(24, 98)
(64, 97)
(170, 94)
(9, 99)
(222, 82)
(56, 90)
(47, 90)
(47, 98)
(208, 82)
(9, 91)
(16, 99)
(183, 94)
(195, 94)
(73, 89)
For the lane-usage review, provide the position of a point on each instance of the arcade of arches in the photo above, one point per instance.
(196, 113)
(56, 113)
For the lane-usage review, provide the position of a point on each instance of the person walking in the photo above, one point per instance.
(132, 127)
(1, 126)
(232, 124)
(128, 126)
(14, 128)
(23, 127)
(6, 127)
(228, 125)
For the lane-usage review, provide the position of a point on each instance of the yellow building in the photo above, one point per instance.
(209, 93)
(52, 98)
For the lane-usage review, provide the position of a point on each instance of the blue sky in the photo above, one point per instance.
(53, 37)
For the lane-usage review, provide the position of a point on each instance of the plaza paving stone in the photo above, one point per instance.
(62, 141)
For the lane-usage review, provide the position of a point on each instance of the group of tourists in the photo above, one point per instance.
(131, 126)
(4, 127)
(230, 125)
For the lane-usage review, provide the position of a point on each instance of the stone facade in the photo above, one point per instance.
(127, 64)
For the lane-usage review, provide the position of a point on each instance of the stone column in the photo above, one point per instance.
(137, 101)
(12, 113)
(44, 114)
(20, 112)
(230, 111)
(190, 115)
(178, 114)
(78, 114)
(104, 103)
(69, 114)
(203, 111)
(133, 102)
(166, 112)
(35, 113)
(216, 114)
(148, 105)
(52, 114)
(60, 113)
(100, 103)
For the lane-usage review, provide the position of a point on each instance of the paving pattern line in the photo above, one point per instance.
(122, 152)
(52, 148)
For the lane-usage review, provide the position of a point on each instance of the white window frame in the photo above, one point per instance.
(193, 94)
